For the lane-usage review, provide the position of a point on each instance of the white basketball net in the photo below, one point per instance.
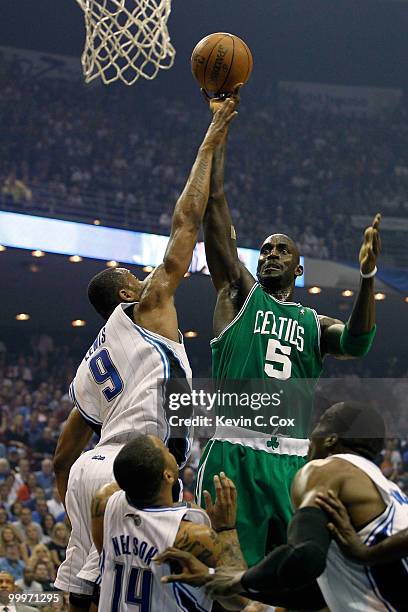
(126, 39)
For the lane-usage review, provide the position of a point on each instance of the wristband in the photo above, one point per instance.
(370, 274)
(211, 570)
(224, 529)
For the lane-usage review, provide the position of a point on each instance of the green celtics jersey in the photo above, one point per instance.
(275, 347)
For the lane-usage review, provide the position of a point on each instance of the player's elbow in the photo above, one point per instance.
(306, 563)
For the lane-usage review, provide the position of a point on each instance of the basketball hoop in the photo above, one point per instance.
(126, 39)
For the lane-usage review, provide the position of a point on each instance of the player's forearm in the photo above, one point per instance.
(217, 173)
(391, 549)
(231, 553)
(192, 202)
(362, 318)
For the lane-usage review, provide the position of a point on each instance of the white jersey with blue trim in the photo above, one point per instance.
(132, 537)
(119, 387)
(348, 586)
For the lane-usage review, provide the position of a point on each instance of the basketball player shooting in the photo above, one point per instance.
(261, 333)
(115, 390)
(311, 570)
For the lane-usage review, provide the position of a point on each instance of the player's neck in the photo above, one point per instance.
(283, 294)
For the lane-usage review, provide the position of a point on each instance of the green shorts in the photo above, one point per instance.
(263, 480)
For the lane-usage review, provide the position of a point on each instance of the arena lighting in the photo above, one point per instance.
(190, 334)
(96, 221)
(379, 296)
(103, 243)
(37, 253)
(148, 269)
(22, 316)
(112, 264)
(75, 258)
(347, 293)
(314, 290)
(78, 323)
(34, 268)
(2, 248)
(406, 299)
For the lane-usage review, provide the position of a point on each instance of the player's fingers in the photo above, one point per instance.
(175, 578)
(208, 505)
(205, 94)
(225, 486)
(171, 553)
(232, 117)
(220, 497)
(335, 501)
(376, 221)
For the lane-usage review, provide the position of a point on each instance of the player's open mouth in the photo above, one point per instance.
(272, 267)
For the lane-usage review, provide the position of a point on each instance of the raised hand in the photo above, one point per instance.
(224, 512)
(219, 125)
(371, 247)
(216, 103)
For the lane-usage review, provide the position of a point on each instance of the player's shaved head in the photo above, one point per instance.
(353, 427)
(278, 264)
(283, 238)
(105, 288)
(138, 470)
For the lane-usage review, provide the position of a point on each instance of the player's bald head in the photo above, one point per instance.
(350, 427)
(283, 239)
(111, 287)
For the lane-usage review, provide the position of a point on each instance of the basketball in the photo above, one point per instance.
(220, 61)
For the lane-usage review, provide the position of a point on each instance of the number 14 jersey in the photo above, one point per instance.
(278, 342)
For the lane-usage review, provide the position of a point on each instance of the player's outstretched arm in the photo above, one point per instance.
(354, 339)
(219, 234)
(71, 442)
(188, 213)
(98, 507)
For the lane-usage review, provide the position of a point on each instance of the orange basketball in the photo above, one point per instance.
(220, 61)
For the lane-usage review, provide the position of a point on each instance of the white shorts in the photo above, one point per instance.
(89, 473)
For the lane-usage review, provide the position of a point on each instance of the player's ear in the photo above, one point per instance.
(298, 270)
(168, 477)
(126, 295)
(330, 441)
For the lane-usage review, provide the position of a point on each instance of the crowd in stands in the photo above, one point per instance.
(122, 157)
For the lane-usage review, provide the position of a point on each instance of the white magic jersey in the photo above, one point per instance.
(132, 537)
(119, 388)
(348, 586)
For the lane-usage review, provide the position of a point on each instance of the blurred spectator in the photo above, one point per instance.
(27, 584)
(11, 561)
(47, 525)
(45, 445)
(7, 586)
(43, 576)
(45, 477)
(58, 544)
(10, 535)
(16, 189)
(41, 511)
(55, 505)
(26, 519)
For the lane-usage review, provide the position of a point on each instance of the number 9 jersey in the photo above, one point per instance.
(120, 385)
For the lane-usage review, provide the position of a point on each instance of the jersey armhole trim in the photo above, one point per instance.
(86, 416)
(237, 316)
(319, 333)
